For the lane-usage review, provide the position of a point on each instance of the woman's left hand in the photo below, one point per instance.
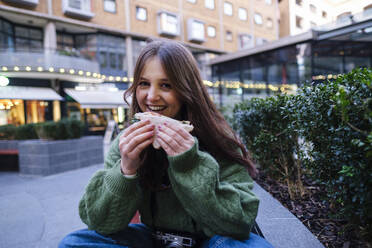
(174, 139)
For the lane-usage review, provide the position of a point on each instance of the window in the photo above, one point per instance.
(209, 4)
(227, 8)
(324, 14)
(312, 8)
(260, 41)
(168, 24)
(299, 21)
(299, 2)
(77, 8)
(211, 31)
(141, 13)
(65, 41)
(26, 39)
(269, 2)
(229, 36)
(344, 17)
(242, 13)
(269, 23)
(109, 6)
(245, 41)
(195, 30)
(258, 19)
(367, 11)
(191, 1)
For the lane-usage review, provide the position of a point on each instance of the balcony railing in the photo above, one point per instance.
(49, 58)
(346, 20)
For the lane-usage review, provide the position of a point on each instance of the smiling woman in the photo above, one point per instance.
(193, 192)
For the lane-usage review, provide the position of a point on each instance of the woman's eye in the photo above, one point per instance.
(166, 85)
(144, 83)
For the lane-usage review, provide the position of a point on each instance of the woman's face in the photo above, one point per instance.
(155, 93)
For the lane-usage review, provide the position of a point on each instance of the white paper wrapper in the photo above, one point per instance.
(157, 120)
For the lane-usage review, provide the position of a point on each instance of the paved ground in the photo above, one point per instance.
(37, 212)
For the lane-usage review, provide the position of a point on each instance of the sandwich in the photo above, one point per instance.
(158, 119)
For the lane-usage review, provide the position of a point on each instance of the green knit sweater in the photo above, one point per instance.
(206, 196)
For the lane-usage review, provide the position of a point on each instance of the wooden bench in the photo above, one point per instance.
(8, 152)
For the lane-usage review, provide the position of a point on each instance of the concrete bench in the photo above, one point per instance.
(279, 226)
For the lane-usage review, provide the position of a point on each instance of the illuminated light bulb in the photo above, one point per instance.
(117, 78)
(40, 68)
(81, 72)
(111, 78)
(72, 71)
(51, 69)
(28, 68)
(103, 76)
(88, 73)
(94, 74)
(16, 68)
(125, 79)
(4, 68)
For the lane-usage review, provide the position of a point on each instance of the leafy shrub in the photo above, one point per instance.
(63, 129)
(25, 132)
(50, 130)
(265, 127)
(336, 118)
(7, 132)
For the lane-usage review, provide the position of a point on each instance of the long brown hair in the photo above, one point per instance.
(213, 132)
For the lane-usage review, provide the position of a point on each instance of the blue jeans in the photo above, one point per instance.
(139, 236)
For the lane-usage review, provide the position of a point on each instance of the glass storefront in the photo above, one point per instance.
(268, 72)
(19, 112)
(97, 119)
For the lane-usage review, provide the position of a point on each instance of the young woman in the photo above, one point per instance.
(195, 190)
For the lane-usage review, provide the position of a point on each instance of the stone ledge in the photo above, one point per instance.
(279, 226)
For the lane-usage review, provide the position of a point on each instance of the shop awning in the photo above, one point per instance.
(28, 93)
(98, 98)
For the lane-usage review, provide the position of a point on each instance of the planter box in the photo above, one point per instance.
(9, 144)
(42, 157)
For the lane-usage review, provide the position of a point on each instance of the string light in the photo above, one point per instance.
(28, 68)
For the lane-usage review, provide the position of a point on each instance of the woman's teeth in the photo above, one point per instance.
(155, 108)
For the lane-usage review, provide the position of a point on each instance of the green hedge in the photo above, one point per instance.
(334, 119)
(50, 130)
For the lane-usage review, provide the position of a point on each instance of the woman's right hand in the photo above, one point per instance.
(132, 142)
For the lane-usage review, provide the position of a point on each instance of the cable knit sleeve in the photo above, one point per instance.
(110, 199)
(216, 195)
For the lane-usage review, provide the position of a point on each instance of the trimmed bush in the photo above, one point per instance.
(334, 119)
(7, 132)
(265, 127)
(50, 130)
(25, 132)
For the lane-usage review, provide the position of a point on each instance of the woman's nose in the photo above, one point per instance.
(153, 94)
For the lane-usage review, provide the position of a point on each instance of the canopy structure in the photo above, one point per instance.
(98, 99)
(29, 93)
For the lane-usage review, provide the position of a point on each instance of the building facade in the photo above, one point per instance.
(57, 55)
(292, 61)
(298, 16)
